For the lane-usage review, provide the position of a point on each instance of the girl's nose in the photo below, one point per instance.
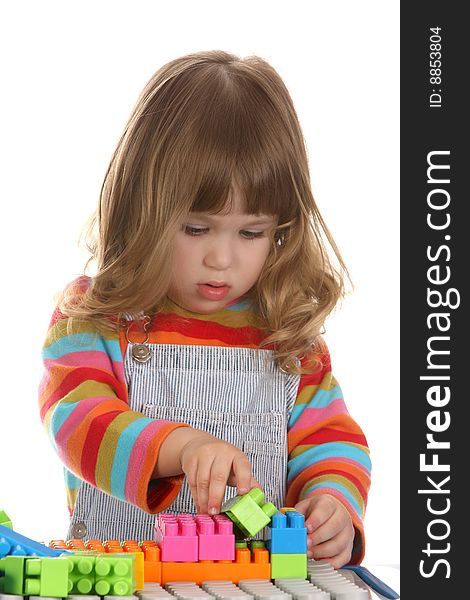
(218, 255)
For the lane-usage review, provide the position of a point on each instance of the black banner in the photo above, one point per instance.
(434, 291)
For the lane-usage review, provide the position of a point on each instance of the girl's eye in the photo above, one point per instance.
(251, 235)
(191, 230)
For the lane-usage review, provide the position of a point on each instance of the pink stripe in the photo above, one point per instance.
(137, 458)
(42, 385)
(333, 492)
(313, 416)
(118, 369)
(75, 417)
(98, 359)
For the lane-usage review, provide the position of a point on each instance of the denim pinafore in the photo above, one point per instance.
(237, 394)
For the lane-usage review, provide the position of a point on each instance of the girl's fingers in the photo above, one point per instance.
(191, 478)
(242, 474)
(327, 531)
(317, 510)
(335, 552)
(335, 549)
(203, 479)
(210, 465)
(219, 475)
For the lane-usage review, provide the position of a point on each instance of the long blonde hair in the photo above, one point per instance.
(202, 122)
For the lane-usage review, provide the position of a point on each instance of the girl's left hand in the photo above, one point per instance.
(330, 531)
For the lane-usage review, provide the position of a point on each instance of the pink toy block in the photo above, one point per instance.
(177, 538)
(216, 537)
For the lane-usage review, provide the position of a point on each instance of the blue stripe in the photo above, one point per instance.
(71, 481)
(335, 450)
(82, 342)
(60, 415)
(337, 486)
(124, 447)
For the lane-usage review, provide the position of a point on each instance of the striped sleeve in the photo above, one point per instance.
(328, 452)
(84, 409)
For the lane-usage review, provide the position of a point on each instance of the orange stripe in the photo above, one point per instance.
(152, 452)
(75, 443)
(309, 473)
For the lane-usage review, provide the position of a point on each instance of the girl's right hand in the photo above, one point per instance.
(210, 464)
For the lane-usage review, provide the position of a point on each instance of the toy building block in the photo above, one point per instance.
(152, 562)
(81, 577)
(12, 568)
(248, 512)
(287, 533)
(101, 574)
(19, 545)
(177, 537)
(245, 566)
(96, 545)
(131, 546)
(5, 520)
(215, 537)
(44, 576)
(287, 566)
(147, 555)
(58, 545)
(114, 575)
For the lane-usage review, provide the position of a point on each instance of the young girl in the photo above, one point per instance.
(192, 360)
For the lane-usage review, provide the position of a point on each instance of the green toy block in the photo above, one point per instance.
(286, 566)
(101, 574)
(38, 576)
(46, 576)
(5, 520)
(2, 575)
(13, 568)
(248, 512)
(254, 544)
(81, 575)
(114, 575)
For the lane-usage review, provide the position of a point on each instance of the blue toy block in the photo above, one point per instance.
(287, 533)
(12, 543)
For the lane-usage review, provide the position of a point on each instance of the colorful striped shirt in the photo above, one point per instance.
(84, 408)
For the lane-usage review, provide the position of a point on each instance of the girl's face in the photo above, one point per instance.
(218, 257)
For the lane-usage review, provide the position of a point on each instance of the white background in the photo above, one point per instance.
(70, 76)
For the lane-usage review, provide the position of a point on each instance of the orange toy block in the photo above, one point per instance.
(113, 546)
(152, 562)
(136, 550)
(96, 545)
(245, 566)
(76, 545)
(58, 545)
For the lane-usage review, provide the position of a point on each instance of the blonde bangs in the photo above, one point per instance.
(230, 128)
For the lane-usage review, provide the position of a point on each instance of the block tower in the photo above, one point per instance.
(287, 543)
